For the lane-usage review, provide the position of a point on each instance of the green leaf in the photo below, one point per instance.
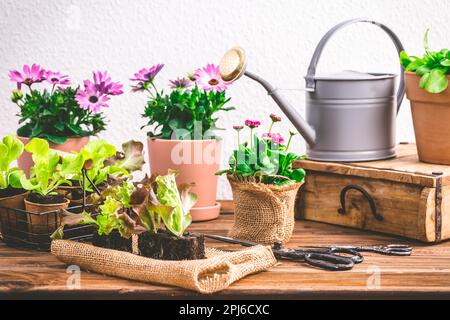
(133, 156)
(436, 82)
(72, 165)
(297, 175)
(404, 59)
(60, 126)
(45, 176)
(11, 149)
(19, 180)
(56, 139)
(167, 192)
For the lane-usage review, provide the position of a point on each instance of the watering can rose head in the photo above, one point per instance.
(62, 111)
(266, 159)
(189, 110)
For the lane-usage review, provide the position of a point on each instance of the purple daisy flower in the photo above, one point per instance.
(105, 85)
(180, 83)
(147, 75)
(56, 78)
(29, 76)
(208, 78)
(90, 98)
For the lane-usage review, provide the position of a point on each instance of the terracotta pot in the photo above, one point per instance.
(431, 118)
(43, 219)
(196, 161)
(25, 161)
(12, 223)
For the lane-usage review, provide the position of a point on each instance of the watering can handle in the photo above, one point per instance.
(310, 81)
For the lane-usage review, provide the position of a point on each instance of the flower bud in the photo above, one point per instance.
(17, 95)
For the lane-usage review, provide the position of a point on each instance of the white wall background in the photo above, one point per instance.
(78, 36)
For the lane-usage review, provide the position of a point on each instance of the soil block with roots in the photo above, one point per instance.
(166, 246)
(113, 241)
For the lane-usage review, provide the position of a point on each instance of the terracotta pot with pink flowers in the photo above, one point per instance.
(64, 115)
(182, 131)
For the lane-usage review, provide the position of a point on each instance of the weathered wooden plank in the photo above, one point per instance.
(25, 273)
(405, 168)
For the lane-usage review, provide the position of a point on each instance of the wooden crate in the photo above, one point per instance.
(400, 196)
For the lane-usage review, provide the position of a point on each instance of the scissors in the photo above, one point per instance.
(325, 260)
(388, 250)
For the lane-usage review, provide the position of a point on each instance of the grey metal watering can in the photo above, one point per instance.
(350, 116)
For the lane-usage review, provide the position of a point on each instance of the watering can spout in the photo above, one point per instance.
(233, 66)
(307, 132)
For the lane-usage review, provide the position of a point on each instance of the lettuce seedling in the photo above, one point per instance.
(45, 175)
(101, 160)
(178, 219)
(433, 67)
(115, 213)
(11, 149)
(136, 208)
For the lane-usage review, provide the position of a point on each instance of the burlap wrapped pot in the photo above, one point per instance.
(263, 213)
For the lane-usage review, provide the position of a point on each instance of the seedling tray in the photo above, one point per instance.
(19, 228)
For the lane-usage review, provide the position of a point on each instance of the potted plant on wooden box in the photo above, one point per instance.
(182, 131)
(65, 116)
(264, 185)
(427, 88)
(12, 194)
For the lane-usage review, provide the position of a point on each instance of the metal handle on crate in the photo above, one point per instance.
(366, 195)
(310, 82)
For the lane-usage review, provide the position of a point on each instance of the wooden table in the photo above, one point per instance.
(426, 274)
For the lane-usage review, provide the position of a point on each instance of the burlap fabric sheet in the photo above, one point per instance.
(210, 275)
(263, 213)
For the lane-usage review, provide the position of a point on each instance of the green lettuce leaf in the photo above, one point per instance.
(179, 218)
(11, 149)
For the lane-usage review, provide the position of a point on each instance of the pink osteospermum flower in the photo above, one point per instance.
(91, 99)
(252, 123)
(274, 137)
(238, 128)
(208, 78)
(147, 74)
(29, 75)
(180, 83)
(105, 85)
(56, 78)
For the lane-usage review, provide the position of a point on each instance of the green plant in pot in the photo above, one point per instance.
(143, 209)
(45, 177)
(427, 89)
(182, 130)
(264, 184)
(64, 115)
(43, 201)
